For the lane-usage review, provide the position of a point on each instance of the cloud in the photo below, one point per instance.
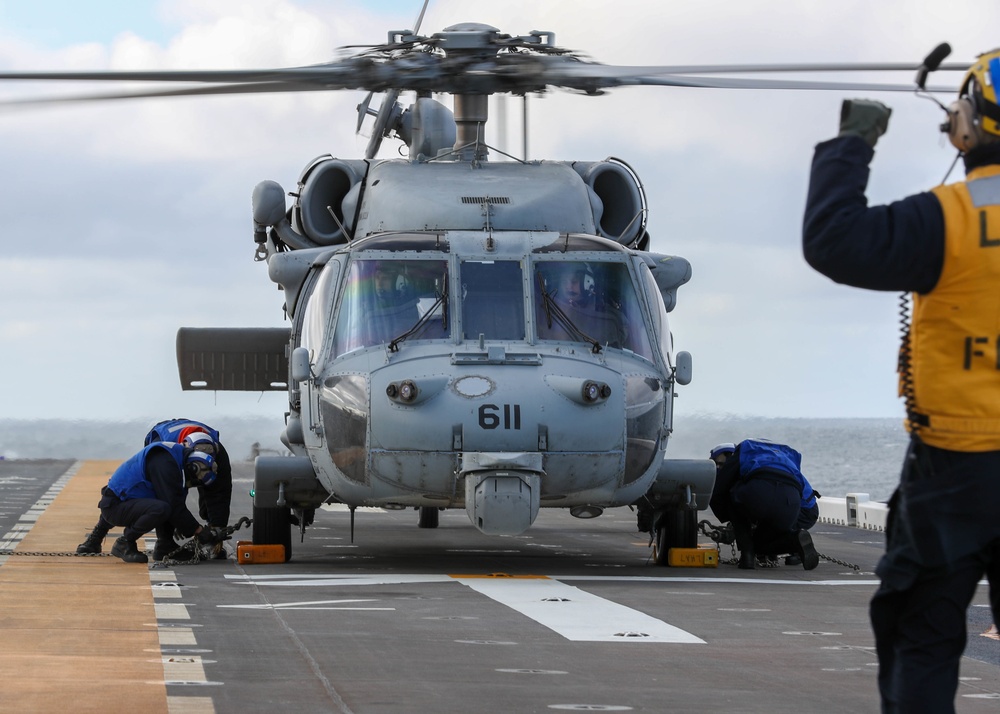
(126, 220)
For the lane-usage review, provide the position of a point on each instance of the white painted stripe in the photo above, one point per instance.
(575, 614)
(176, 636)
(171, 611)
(308, 580)
(181, 668)
(738, 581)
(190, 705)
(313, 581)
(309, 605)
(167, 591)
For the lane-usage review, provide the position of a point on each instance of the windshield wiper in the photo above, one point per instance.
(442, 301)
(564, 321)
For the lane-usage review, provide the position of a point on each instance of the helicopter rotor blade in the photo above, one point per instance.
(779, 68)
(758, 83)
(230, 89)
(381, 122)
(420, 71)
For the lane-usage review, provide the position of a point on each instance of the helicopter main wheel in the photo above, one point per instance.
(273, 526)
(675, 528)
(428, 517)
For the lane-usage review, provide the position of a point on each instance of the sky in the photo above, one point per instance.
(124, 221)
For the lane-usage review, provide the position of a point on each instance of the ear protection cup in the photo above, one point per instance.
(961, 126)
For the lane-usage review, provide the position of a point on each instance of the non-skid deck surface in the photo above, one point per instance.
(79, 634)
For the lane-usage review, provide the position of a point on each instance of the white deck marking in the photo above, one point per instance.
(171, 611)
(573, 613)
(576, 614)
(311, 605)
(314, 581)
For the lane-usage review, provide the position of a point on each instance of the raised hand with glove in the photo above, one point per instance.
(865, 118)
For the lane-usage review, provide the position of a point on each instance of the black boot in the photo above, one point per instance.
(128, 551)
(94, 539)
(807, 551)
(162, 549)
(744, 541)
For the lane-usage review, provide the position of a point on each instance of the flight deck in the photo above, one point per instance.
(572, 615)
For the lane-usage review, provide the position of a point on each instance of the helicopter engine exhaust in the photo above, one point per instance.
(328, 194)
(617, 198)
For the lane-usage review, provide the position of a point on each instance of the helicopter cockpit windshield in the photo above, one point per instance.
(592, 302)
(388, 300)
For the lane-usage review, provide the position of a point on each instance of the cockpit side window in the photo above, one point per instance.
(589, 301)
(492, 300)
(318, 309)
(658, 313)
(384, 300)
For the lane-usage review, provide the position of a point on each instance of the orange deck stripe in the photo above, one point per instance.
(78, 634)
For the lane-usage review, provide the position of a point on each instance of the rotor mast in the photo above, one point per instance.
(473, 43)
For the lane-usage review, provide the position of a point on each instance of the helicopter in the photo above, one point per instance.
(464, 332)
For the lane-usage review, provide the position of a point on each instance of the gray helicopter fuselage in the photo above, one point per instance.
(474, 334)
(496, 407)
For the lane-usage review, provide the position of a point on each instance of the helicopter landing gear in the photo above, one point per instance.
(273, 526)
(428, 517)
(674, 528)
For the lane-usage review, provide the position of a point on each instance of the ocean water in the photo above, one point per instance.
(838, 455)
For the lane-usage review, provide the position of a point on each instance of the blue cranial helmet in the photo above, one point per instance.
(200, 467)
(200, 441)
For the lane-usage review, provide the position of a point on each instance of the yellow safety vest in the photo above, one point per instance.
(955, 335)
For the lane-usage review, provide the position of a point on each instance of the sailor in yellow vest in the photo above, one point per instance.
(944, 247)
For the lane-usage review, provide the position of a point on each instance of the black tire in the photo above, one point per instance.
(428, 517)
(272, 526)
(675, 529)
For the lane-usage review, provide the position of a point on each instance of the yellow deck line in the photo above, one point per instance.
(76, 633)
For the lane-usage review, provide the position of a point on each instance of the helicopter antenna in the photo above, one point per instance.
(524, 125)
(420, 18)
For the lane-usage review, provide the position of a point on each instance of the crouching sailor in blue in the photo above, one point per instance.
(213, 498)
(761, 490)
(147, 492)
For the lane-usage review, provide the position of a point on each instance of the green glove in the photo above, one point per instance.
(866, 118)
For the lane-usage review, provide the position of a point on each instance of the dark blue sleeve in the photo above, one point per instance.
(214, 500)
(168, 482)
(899, 246)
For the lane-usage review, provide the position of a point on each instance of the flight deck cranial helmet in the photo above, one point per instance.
(199, 468)
(389, 281)
(571, 282)
(974, 118)
(721, 452)
(200, 441)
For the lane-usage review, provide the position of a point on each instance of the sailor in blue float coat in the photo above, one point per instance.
(761, 490)
(213, 500)
(148, 491)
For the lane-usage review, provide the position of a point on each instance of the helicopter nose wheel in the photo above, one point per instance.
(428, 517)
(674, 528)
(273, 526)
